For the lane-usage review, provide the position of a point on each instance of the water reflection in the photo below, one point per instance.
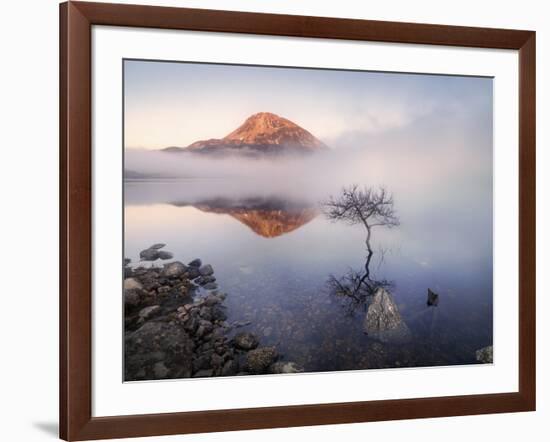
(268, 217)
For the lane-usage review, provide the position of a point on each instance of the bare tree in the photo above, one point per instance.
(366, 206)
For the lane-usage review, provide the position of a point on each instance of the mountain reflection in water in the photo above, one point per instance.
(267, 217)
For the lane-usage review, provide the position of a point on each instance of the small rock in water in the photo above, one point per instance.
(174, 269)
(433, 299)
(157, 246)
(210, 286)
(195, 263)
(285, 367)
(165, 255)
(206, 270)
(149, 255)
(485, 355)
(132, 284)
(260, 359)
(238, 324)
(245, 341)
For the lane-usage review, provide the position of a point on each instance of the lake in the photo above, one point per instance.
(273, 251)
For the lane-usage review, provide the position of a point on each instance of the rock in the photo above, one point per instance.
(259, 360)
(132, 284)
(245, 341)
(206, 313)
(149, 255)
(203, 280)
(160, 370)
(154, 342)
(206, 270)
(218, 313)
(285, 367)
(230, 368)
(192, 272)
(238, 324)
(485, 355)
(195, 263)
(216, 360)
(383, 320)
(165, 255)
(210, 286)
(212, 300)
(131, 298)
(127, 261)
(148, 312)
(157, 246)
(204, 373)
(174, 269)
(433, 299)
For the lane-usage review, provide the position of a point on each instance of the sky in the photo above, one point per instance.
(176, 103)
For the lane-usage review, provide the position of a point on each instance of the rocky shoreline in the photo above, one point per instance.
(176, 326)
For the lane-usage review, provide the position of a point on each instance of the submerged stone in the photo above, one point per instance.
(245, 341)
(259, 360)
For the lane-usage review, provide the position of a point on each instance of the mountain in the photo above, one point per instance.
(261, 133)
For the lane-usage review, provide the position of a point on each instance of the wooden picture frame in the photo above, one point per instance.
(76, 21)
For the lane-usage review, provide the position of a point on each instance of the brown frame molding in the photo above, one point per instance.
(76, 20)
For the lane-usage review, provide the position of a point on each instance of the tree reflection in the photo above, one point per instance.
(370, 208)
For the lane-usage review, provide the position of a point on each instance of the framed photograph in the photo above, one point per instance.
(274, 220)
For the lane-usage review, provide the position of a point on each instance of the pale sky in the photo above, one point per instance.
(176, 104)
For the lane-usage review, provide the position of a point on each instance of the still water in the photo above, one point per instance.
(273, 251)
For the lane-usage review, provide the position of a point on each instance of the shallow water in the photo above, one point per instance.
(273, 253)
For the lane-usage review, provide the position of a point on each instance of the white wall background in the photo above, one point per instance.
(28, 226)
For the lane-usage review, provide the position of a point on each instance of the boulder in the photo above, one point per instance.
(149, 254)
(230, 368)
(383, 320)
(160, 370)
(174, 269)
(148, 312)
(485, 355)
(260, 359)
(206, 270)
(157, 246)
(245, 341)
(155, 342)
(285, 367)
(192, 272)
(131, 298)
(165, 255)
(195, 263)
(132, 284)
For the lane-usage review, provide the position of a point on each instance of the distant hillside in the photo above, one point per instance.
(261, 133)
